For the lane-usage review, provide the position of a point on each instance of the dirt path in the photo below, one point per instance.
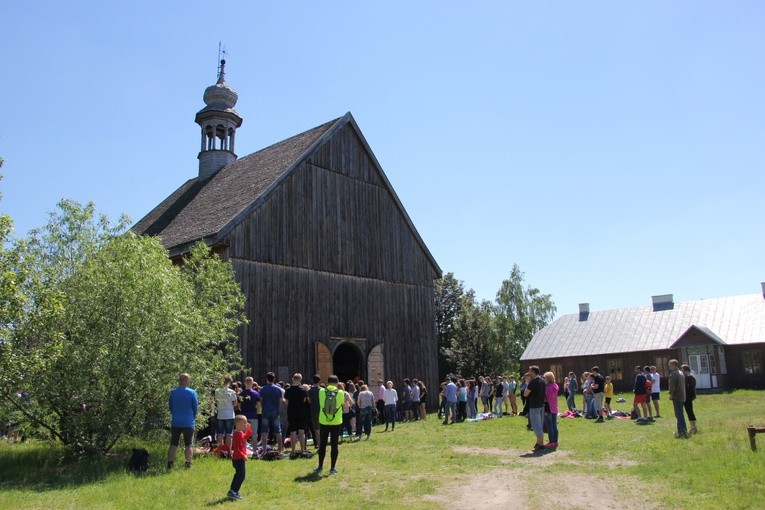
(531, 486)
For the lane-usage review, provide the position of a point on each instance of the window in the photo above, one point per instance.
(752, 362)
(662, 365)
(615, 369)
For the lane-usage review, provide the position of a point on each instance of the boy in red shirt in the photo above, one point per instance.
(242, 432)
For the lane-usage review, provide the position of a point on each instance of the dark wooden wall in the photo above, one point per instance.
(330, 254)
(630, 360)
(737, 376)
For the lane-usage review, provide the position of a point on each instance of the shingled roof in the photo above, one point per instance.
(733, 320)
(207, 209)
(201, 209)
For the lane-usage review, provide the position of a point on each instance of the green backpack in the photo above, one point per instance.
(330, 404)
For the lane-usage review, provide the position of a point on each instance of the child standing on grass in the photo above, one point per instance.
(242, 432)
(608, 392)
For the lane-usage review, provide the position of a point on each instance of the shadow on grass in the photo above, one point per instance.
(540, 453)
(310, 477)
(41, 467)
(220, 501)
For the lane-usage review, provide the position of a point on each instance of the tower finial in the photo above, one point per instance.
(222, 63)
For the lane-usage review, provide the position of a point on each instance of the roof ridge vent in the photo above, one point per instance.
(663, 302)
(584, 311)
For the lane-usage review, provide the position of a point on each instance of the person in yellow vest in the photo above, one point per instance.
(330, 421)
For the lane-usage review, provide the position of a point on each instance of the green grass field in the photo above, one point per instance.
(616, 464)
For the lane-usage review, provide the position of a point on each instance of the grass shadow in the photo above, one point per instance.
(220, 501)
(311, 477)
(42, 467)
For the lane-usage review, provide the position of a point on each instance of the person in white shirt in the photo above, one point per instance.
(655, 390)
(225, 401)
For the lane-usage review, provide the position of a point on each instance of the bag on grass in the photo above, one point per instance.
(139, 461)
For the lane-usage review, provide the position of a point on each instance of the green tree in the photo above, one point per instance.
(519, 312)
(449, 293)
(473, 350)
(109, 322)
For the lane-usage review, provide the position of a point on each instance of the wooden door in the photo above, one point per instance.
(375, 366)
(323, 358)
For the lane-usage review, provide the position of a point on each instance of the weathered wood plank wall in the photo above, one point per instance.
(330, 254)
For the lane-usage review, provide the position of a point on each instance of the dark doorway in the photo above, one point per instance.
(347, 362)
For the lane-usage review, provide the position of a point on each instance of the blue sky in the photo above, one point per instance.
(613, 150)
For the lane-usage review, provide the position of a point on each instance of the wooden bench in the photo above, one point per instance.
(752, 432)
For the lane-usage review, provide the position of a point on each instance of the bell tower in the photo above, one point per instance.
(218, 121)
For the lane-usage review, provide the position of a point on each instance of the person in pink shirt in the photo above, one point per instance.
(551, 409)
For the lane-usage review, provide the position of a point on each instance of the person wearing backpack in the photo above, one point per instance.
(331, 401)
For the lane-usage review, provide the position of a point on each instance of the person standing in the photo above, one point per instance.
(390, 397)
(183, 404)
(499, 390)
(313, 399)
(450, 397)
(535, 397)
(573, 387)
(365, 403)
(511, 387)
(381, 402)
(331, 401)
(415, 399)
(655, 389)
(597, 386)
(225, 402)
(690, 396)
(677, 396)
(248, 406)
(640, 395)
(242, 432)
(608, 393)
(551, 414)
(271, 398)
(297, 418)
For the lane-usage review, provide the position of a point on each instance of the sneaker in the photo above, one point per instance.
(233, 495)
(333, 471)
(187, 465)
(169, 465)
(657, 416)
(599, 420)
(318, 470)
(538, 447)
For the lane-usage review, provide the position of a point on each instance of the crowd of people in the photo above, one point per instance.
(327, 413)
(323, 413)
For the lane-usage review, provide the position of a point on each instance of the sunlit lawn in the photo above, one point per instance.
(425, 465)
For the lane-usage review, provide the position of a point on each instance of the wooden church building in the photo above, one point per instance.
(336, 276)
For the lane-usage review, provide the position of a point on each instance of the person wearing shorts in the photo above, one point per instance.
(183, 403)
(270, 399)
(535, 396)
(640, 394)
(225, 401)
(655, 390)
(297, 412)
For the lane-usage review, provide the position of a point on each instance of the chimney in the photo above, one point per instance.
(663, 302)
(584, 311)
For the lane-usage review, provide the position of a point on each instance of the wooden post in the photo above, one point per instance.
(752, 431)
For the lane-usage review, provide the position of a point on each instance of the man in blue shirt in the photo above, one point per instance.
(450, 396)
(271, 397)
(183, 404)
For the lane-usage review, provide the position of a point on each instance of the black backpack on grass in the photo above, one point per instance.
(139, 462)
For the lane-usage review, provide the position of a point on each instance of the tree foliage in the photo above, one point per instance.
(519, 312)
(488, 338)
(107, 324)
